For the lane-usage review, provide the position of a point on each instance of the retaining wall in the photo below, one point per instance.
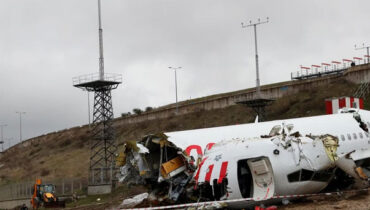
(356, 74)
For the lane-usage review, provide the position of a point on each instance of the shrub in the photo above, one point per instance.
(137, 111)
(148, 109)
(125, 114)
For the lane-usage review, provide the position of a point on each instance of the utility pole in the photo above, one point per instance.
(2, 136)
(258, 103)
(258, 88)
(20, 125)
(101, 54)
(8, 139)
(88, 107)
(367, 49)
(175, 69)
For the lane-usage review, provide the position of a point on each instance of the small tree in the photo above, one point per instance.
(148, 109)
(126, 114)
(137, 111)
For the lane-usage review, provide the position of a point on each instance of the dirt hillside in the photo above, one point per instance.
(66, 153)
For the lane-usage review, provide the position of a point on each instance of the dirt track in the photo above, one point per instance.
(359, 200)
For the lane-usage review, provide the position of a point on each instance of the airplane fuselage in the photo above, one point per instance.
(282, 157)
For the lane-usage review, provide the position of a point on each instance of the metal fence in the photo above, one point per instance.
(24, 190)
(103, 176)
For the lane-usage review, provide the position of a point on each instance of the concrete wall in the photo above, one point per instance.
(99, 189)
(356, 74)
(10, 204)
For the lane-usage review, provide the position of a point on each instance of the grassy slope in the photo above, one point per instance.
(66, 154)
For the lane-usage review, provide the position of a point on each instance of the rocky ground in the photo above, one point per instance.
(351, 200)
(359, 200)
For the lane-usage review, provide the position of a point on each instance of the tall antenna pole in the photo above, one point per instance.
(20, 125)
(175, 69)
(101, 57)
(2, 136)
(367, 49)
(258, 88)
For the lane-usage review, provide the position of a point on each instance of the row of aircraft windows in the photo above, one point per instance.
(354, 136)
(308, 175)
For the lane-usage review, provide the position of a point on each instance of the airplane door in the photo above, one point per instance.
(263, 178)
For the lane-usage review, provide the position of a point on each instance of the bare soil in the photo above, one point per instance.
(65, 153)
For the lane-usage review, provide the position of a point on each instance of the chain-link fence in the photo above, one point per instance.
(24, 190)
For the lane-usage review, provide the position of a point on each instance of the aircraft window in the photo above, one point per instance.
(342, 137)
(294, 177)
(323, 176)
(361, 136)
(349, 136)
(366, 134)
(306, 175)
(354, 136)
(302, 175)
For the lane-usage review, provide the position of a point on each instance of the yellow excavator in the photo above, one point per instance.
(44, 195)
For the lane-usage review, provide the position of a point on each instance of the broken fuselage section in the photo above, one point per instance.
(156, 162)
(285, 157)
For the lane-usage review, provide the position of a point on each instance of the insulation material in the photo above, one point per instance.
(171, 168)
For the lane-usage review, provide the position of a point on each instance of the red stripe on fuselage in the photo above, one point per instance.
(223, 171)
(209, 173)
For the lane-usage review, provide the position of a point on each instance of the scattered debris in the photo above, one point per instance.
(172, 176)
(157, 162)
(132, 202)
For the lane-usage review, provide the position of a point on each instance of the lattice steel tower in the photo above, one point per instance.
(103, 144)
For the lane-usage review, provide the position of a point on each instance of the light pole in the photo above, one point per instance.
(258, 91)
(88, 106)
(2, 136)
(175, 69)
(20, 125)
(367, 49)
(8, 139)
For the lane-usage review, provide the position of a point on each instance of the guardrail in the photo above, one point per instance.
(316, 73)
(109, 77)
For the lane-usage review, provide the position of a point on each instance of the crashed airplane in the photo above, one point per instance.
(259, 161)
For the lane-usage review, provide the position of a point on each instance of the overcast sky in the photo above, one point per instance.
(44, 43)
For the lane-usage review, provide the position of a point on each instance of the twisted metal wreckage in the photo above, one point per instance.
(158, 162)
(300, 163)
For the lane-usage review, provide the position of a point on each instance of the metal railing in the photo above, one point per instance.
(102, 176)
(109, 77)
(307, 73)
(362, 91)
(317, 73)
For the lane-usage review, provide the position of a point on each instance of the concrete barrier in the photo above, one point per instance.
(10, 204)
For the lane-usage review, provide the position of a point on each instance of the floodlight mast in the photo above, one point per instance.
(258, 91)
(175, 69)
(101, 56)
(367, 49)
(2, 136)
